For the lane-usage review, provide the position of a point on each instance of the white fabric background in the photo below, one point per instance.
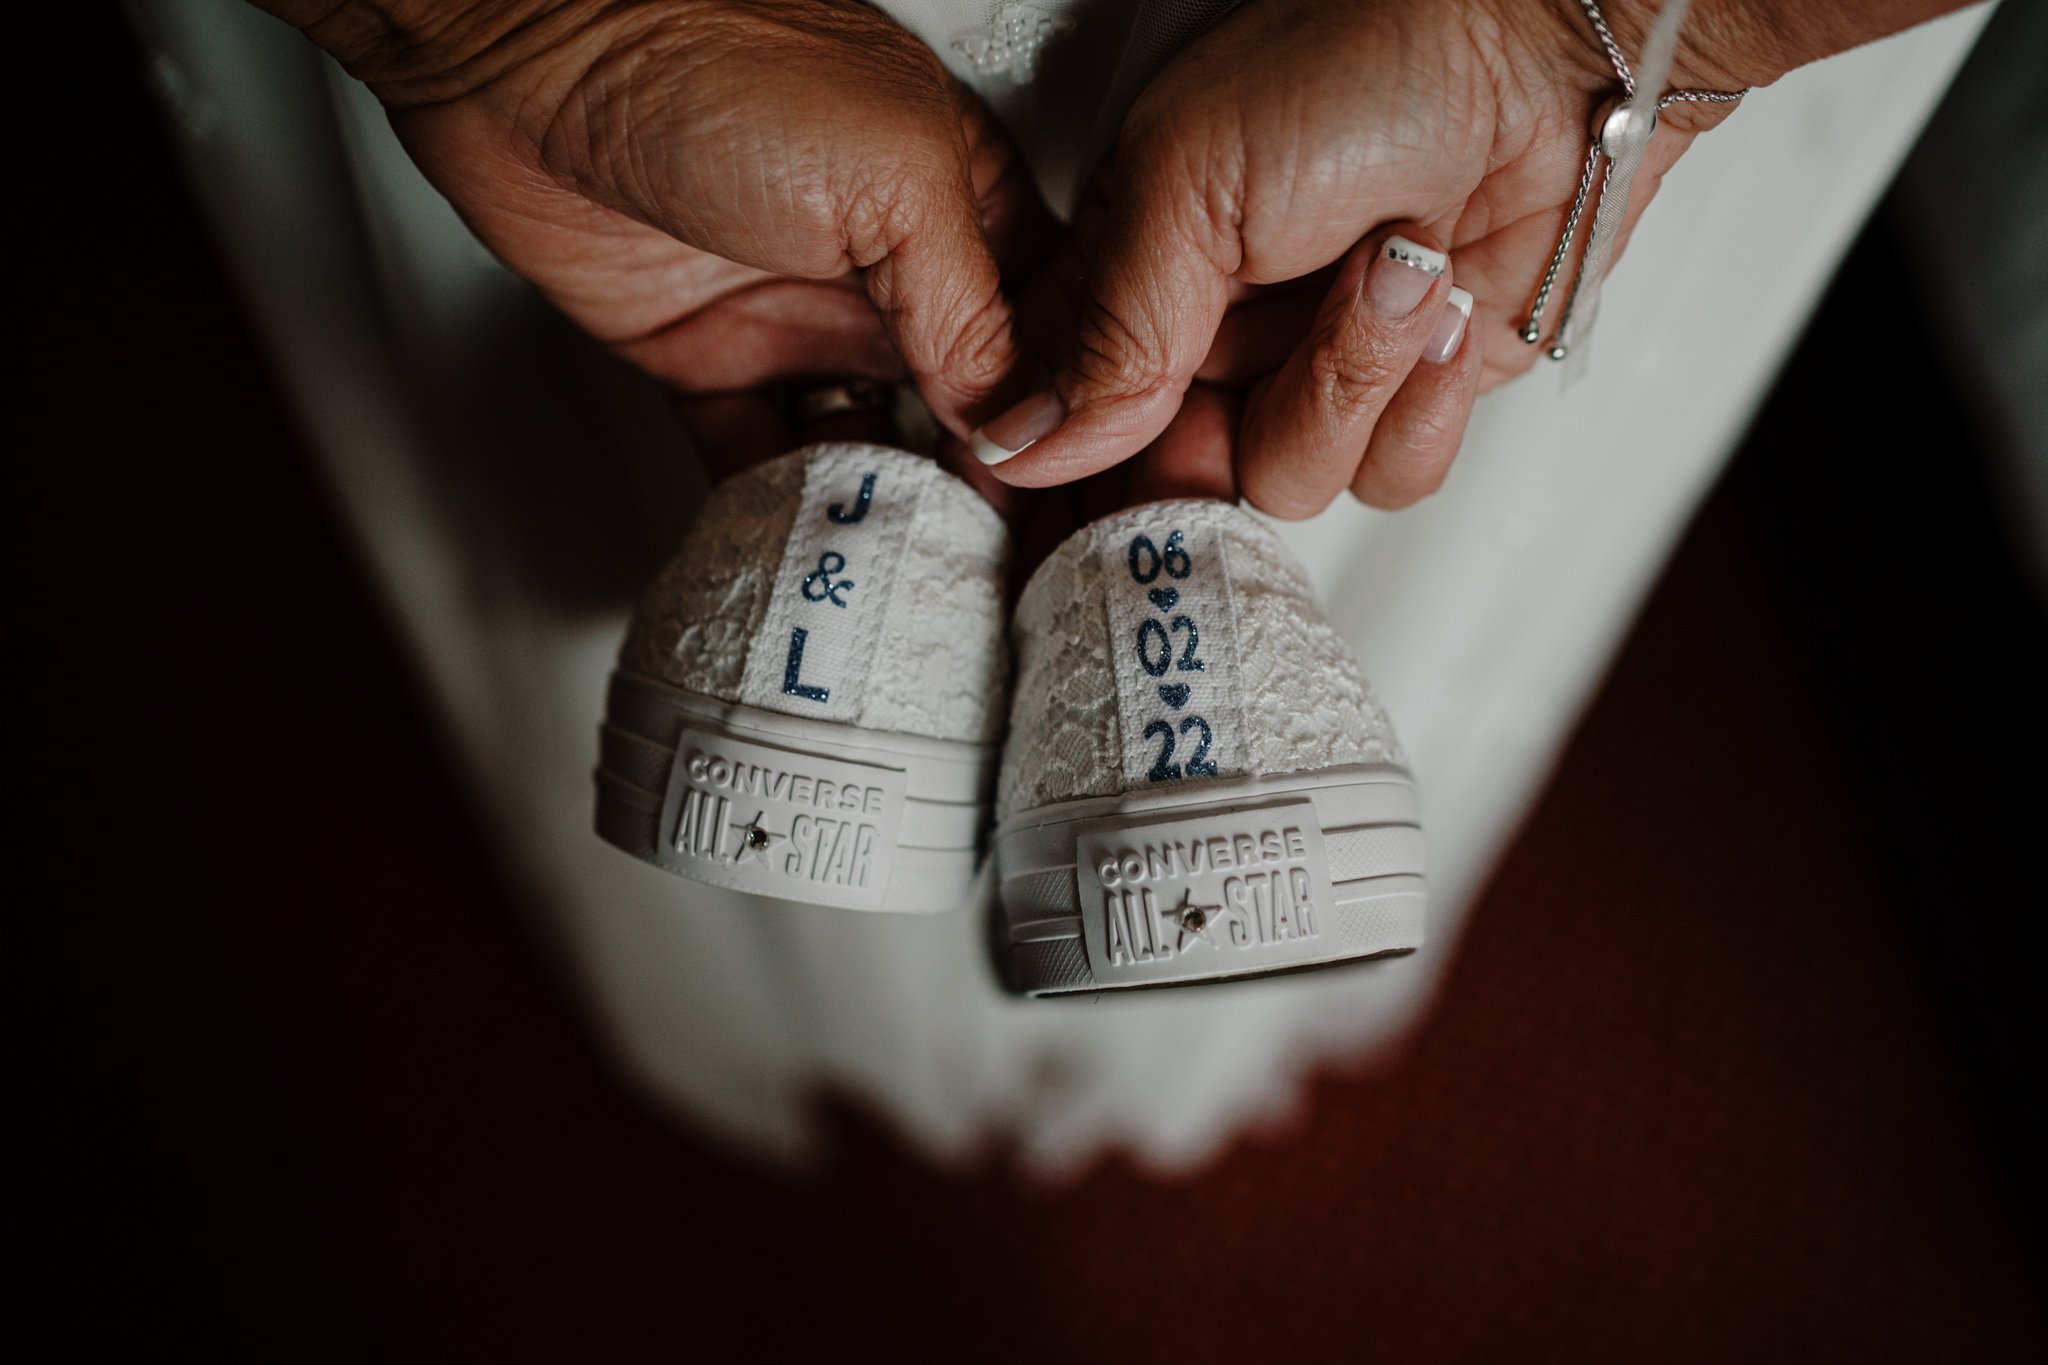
(510, 485)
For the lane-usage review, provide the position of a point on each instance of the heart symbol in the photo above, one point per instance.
(1164, 598)
(1174, 694)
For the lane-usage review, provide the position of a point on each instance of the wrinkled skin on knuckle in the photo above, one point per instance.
(969, 353)
(777, 135)
(1120, 358)
(1147, 293)
(1350, 379)
(977, 360)
(895, 180)
(587, 138)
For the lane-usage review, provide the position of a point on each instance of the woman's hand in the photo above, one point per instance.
(1286, 146)
(729, 194)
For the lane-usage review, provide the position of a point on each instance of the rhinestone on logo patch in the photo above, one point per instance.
(755, 839)
(1193, 920)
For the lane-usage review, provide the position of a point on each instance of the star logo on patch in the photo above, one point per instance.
(755, 841)
(1192, 921)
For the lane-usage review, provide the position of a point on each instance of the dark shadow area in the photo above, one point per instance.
(1883, 533)
(1733, 1064)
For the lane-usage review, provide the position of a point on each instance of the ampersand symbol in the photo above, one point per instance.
(820, 586)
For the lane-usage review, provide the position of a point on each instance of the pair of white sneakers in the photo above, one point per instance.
(1191, 779)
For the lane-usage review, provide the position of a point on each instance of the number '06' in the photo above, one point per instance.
(1147, 559)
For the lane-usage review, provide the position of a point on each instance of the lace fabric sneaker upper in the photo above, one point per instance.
(807, 702)
(1198, 783)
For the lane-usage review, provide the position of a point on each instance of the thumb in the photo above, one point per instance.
(940, 294)
(1158, 281)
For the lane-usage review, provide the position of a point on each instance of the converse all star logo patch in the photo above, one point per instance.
(1173, 643)
(839, 567)
(776, 823)
(1220, 894)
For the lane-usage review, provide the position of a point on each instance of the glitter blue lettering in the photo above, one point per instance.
(790, 674)
(827, 588)
(837, 511)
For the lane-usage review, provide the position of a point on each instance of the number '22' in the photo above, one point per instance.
(1164, 769)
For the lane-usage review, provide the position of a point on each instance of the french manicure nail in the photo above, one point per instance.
(1011, 434)
(1450, 327)
(1401, 276)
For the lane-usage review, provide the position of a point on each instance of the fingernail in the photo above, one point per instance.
(1450, 327)
(1011, 434)
(1402, 275)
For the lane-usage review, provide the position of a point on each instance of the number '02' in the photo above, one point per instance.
(1155, 647)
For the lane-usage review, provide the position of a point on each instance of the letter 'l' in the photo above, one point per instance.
(794, 670)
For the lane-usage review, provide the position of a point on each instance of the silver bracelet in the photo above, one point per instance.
(1621, 133)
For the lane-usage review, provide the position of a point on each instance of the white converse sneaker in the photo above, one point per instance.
(1198, 784)
(807, 702)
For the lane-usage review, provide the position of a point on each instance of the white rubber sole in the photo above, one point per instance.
(1239, 878)
(777, 805)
